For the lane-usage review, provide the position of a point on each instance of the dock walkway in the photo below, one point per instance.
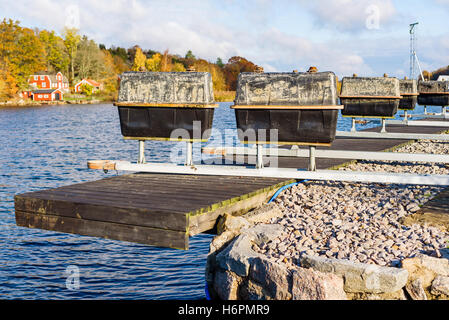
(165, 210)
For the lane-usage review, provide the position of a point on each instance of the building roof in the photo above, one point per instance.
(443, 78)
(91, 82)
(50, 75)
(45, 91)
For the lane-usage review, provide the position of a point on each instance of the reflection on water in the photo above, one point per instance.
(47, 147)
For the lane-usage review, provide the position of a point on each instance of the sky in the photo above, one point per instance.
(366, 37)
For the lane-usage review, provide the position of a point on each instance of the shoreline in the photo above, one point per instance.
(51, 103)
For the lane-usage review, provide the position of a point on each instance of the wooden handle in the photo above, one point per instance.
(101, 164)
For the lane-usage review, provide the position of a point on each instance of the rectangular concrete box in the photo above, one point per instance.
(302, 107)
(433, 93)
(153, 104)
(374, 97)
(409, 93)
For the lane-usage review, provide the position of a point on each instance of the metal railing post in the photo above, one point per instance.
(141, 152)
(259, 156)
(312, 158)
(383, 130)
(189, 153)
(353, 125)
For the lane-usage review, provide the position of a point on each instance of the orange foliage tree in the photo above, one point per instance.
(234, 67)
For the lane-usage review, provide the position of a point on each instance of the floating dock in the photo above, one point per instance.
(166, 209)
(154, 209)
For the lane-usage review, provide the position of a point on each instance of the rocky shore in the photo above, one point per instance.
(337, 241)
(23, 103)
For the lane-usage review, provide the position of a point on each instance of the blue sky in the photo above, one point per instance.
(367, 37)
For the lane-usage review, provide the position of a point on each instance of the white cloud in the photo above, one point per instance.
(351, 15)
(249, 29)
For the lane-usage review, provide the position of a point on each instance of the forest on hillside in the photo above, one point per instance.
(25, 51)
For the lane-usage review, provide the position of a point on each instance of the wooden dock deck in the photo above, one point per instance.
(163, 209)
(155, 209)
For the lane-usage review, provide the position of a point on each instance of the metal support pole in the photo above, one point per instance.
(383, 126)
(353, 129)
(312, 158)
(405, 116)
(189, 153)
(259, 156)
(288, 173)
(425, 109)
(443, 111)
(141, 152)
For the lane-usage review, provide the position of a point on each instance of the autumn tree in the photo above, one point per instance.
(166, 62)
(218, 79)
(21, 51)
(110, 71)
(427, 75)
(139, 60)
(29, 57)
(88, 60)
(234, 67)
(154, 63)
(56, 57)
(8, 85)
(178, 67)
(71, 40)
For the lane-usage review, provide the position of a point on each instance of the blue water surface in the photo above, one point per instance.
(47, 147)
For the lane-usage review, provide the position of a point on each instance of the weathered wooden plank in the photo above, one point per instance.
(174, 220)
(115, 231)
(167, 203)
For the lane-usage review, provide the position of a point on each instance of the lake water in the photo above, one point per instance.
(47, 147)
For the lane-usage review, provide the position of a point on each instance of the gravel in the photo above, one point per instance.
(359, 221)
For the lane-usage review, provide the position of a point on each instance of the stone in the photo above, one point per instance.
(264, 213)
(425, 268)
(230, 223)
(398, 295)
(251, 290)
(360, 277)
(221, 241)
(440, 286)
(308, 284)
(275, 277)
(226, 284)
(236, 257)
(415, 290)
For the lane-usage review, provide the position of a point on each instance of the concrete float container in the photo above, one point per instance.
(371, 97)
(153, 104)
(409, 93)
(301, 106)
(433, 93)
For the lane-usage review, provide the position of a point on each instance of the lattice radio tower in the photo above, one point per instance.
(413, 56)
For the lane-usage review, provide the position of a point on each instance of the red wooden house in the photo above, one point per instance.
(45, 81)
(47, 95)
(96, 85)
